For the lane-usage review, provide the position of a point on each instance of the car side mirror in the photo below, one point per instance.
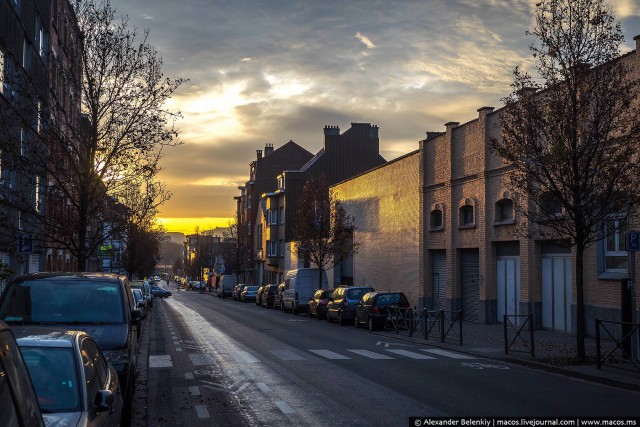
(103, 401)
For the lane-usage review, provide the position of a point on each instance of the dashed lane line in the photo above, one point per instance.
(160, 361)
(284, 407)
(202, 411)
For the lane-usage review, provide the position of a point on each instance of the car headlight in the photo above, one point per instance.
(117, 357)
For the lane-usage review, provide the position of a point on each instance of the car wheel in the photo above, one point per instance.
(372, 325)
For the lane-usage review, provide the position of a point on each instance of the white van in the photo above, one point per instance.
(300, 285)
(225, 285)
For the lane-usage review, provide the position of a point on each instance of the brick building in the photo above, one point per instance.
(467, 254)
(263, 173)
(344, 155)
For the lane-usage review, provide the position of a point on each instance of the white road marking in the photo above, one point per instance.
(329, 354)
(202, 411)
(160, 361)
(194, 390)
(370, 354)
(188, 375)
(201, 359)
(243, 357)
(410, 354)
(265, 388)
(242, 387)
(446, 353)
(284, 408)
(287, 355)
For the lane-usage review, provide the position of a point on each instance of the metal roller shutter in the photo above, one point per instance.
(469, 272)
(439, 275)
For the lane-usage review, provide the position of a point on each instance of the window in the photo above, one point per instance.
(27, 55)
(615, 249)
(504, 210)
(281, 182)
(272, 248)
(37, 202)
(436, 219)
(272, 217)
(7, 75)
(16, 6)
(466, 215)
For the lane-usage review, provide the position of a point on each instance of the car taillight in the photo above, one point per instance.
(375, 310)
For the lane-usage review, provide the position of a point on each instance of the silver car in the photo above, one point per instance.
(74, 383)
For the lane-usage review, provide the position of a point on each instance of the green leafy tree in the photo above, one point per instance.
(572, 133)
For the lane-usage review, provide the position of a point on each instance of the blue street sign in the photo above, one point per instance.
(25, 243)
(633, 241)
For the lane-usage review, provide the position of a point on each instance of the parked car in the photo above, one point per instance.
(342, 305)
(74, 383)
(225, 285)
(318, 304)
(146, 290)
(140, 302)
(371, 310)
(277, 299)
(18, 400)
(99, 303)
(259, 295)
(300, 287)
(237, 290)
(159, 292)
(249, 293)
(268, 295)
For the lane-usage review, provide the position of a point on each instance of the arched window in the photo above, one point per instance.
(504, 210)
(436, 218)
(467, 213)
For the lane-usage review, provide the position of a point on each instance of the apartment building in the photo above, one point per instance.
(344, 155)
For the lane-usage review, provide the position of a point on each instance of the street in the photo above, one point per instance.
(221, 362)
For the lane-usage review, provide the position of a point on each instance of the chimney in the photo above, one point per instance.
(268, 149)
(637, 39)
(373, 132)
(331, 130)
(259, 152)
(483, 111)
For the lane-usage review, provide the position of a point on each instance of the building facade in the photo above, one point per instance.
(343, 156)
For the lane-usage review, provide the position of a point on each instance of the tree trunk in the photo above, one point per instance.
(320, 270)
(580, 321)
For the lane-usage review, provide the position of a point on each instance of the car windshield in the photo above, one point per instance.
(53, 373)
(60, 301)
(357, 293)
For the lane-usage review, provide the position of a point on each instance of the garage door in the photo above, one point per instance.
(469, 272)
(556, 292)
(508, 281)
(439, 279)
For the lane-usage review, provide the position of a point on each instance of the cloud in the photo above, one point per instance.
(365, 41)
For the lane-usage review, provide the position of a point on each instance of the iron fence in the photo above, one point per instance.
(512, 322)
(621, 354)
(447, 325)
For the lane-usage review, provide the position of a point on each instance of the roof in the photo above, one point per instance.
(67, 276)
(46, 337)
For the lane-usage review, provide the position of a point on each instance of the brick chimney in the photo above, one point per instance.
(268, 149)
(259, 153)
(331, 130)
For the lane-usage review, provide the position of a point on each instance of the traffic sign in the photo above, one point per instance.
(633, 241)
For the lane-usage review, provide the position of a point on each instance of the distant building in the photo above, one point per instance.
(263, 173)
(343, 156)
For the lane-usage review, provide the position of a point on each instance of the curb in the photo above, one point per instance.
(140, 404)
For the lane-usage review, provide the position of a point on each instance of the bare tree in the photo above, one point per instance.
(107, 154)
(572, 135)
(323, 229)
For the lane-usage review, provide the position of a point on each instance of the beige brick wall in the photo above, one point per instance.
(385, 206)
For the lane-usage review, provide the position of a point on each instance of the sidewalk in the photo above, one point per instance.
(554, 352)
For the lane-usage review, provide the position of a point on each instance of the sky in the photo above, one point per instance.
(270, 71)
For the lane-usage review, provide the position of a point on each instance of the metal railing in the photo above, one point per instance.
(447, 325)
(518, 329)
(618, 349)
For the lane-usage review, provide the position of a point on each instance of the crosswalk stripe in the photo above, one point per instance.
(410, 354)
(370, 354)
(243, 357)
(160, 361)
(446, 353)
(287, 355)
(329, 354)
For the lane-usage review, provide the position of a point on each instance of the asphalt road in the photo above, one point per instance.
(221, 362)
